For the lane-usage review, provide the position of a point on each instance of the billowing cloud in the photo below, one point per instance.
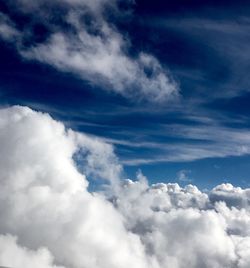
(45, 203)
(50, 219)
(79, 38)
(17, 256)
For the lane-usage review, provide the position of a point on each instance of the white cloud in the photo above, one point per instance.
(15, 256)
(44, 201)
(8, 31)
(185, 227)
(183, 175)
(197, 142)
(49, 219)
(88, 45)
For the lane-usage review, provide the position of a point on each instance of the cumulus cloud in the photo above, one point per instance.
(186, 227)
(50, 219)
(45, 203)
(79, 38)
(16, 256)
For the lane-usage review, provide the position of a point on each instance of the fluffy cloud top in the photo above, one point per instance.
(45, 203)
(81, 39)
(50, 219)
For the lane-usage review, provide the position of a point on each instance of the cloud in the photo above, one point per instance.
(7, 29)
(184, 226)
(183, 175)
(22, 257)
(44, 200)
(81, 39)
(218, 37)
(50, 219)
(188, 143)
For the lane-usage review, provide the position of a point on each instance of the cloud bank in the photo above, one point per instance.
(80, 37)
(50, 219)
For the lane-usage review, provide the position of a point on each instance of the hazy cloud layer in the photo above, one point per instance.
(50, 219)
(78, 37)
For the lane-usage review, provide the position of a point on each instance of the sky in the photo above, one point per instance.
(124, 134)
(165, 81)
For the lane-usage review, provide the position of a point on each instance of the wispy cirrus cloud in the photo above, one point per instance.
(206, 36)
(8, 32)
(80, 39)
(183, 143)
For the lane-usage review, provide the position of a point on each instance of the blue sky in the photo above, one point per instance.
(166, 82)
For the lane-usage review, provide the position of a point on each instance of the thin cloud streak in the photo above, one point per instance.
(194, 143)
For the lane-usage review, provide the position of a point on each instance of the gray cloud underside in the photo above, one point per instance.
(50, 219)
